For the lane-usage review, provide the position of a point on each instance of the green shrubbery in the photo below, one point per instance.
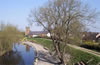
(90, 43)
(9, 34)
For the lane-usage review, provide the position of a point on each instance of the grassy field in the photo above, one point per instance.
(77, 55)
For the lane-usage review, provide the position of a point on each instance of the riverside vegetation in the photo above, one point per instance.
(9, 35)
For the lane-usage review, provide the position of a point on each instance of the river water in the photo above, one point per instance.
(20, 55)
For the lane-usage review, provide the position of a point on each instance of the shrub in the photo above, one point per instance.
(9, 35)
(90, 43)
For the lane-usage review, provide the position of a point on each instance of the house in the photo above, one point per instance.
(93, 36)
(30, 33)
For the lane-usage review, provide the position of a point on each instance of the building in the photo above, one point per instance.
(93, 36)
(30, 33)
(27, 31)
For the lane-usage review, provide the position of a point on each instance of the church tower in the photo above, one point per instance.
(27, 31)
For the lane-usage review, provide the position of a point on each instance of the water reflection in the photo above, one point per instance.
(11, 58)
(27, 48)
(20, 55)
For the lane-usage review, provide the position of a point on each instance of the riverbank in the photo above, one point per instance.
(76, 53)
(43, 56)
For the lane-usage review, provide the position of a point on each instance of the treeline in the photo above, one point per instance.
(9, 34)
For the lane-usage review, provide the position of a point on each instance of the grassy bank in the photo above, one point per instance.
(45, 42)
(77, 55)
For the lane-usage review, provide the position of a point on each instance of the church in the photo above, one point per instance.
(30, 33)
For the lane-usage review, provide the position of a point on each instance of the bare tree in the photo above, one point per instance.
(65, 20)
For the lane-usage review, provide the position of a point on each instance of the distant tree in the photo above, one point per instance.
(9, 35)
(65, 20)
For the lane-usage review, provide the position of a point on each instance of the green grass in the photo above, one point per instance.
(45, 42)
(77, 55)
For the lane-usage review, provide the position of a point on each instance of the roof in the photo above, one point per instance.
(37, 32)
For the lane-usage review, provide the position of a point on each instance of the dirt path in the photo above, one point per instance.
(44, 58)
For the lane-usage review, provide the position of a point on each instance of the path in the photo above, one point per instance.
(44, 58)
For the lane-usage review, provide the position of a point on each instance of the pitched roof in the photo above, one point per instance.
(37, 32)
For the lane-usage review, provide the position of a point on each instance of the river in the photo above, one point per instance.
(20, 55)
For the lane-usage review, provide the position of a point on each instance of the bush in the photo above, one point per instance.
(9, 35)
(90, 43)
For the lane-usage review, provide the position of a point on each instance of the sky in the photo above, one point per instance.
(95, 4)
(16, 12)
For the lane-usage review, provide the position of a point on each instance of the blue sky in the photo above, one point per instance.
(16, 12)
(95, 4)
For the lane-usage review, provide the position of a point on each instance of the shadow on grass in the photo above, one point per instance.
(92, 47)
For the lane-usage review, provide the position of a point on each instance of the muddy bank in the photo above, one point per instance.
(43, 56)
